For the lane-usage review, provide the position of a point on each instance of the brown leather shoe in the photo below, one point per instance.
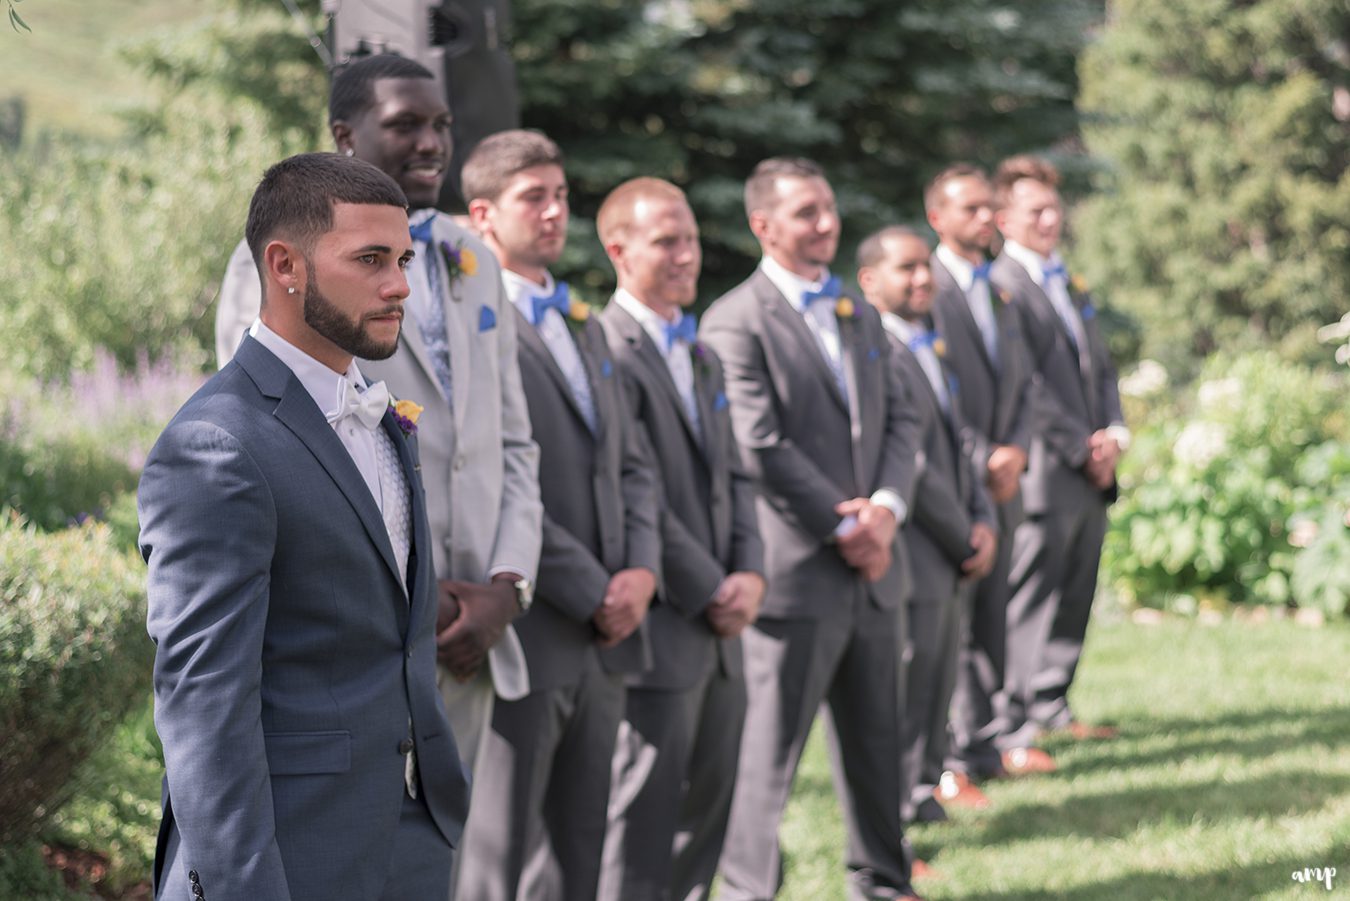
(957, 790)
(1026, 761)
(1081, 731)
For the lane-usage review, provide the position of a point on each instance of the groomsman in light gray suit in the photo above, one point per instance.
(546, 767)
(952, 537)
(675, 764)
(456, 358)
(986, 354)
(291, 596)
(832, 441)
(1078, 438)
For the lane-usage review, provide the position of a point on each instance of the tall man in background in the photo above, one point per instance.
(456, 357)
(1077, 439)
(546, 768)
(986, 353)
(833, 443)
(952, 537)
(675, 764)
(290, 592)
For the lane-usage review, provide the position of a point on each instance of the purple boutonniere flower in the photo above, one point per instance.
(405, 414)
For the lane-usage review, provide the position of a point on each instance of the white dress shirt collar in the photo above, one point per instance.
(652, 322)
(790, 284)
(961, 269)
(900, 327)
(328, 388)
(1031, 261)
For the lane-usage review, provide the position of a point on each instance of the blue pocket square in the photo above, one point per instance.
(1087, 312)
(720, 402)
(873, 353)
(487, 319)
(606, 369)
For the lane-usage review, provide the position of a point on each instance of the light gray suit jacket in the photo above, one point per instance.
(708, 523)
(291, 666)
(806, 447)
(480, 466)
(1076, 391)
(950, 497)
(600, 509)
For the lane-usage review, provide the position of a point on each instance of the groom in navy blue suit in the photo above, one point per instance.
(291, 596)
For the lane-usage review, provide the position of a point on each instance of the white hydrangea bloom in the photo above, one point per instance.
(1145, 380)
(1200, 443)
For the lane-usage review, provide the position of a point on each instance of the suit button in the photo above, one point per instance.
(197, 890)
(192, 875)
(405, 746)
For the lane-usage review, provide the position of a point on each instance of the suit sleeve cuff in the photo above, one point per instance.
(1120, 433)
(891, 500)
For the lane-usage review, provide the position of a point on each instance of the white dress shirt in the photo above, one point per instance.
(977, 296)
(676, 355)
(553, 331)
(928, 359)
(329, 391)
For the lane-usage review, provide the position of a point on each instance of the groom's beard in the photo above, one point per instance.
(348, 334)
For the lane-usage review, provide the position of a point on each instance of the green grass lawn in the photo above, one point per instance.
(1232, 771)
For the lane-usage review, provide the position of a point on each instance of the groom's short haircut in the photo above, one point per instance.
(294, 201)
(762, 184)
(498, 157)
(353, 90)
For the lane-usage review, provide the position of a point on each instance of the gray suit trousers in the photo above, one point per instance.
(848, 661)
(541, 785)
(1054, 578)
(933, 653)
(674, 770)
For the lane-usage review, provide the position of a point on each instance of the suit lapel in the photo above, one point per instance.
(650, 357)
(790, 328)
(418, 534)
(849, 360)
(534, 346)
(592, 358)
(965, 318)
(461, 315)
(298, 412)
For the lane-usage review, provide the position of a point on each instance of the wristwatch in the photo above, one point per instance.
(524, 593)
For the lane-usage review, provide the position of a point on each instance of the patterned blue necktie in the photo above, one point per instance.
(686, 329)
(431, 324)
(922, 340)
(980, 273)
(558, 300)
(828, 291)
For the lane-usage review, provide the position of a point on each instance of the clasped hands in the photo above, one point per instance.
(470, 619)
(867, 545)
(735, 603)
(627, 597)
(1005, 467)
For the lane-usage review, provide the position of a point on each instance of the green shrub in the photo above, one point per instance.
(73, 659)
(1219, 482)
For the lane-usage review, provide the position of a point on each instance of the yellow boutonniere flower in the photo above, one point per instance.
(939, 347)
(1004, 296)
(468, 262)
(405, 414)
(844, 308)
(1079, 283)
(578, 311)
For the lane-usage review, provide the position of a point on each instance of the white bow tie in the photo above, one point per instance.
(368, 407)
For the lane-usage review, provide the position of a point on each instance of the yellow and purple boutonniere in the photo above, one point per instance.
(578, 310)
(406, 414)
(460, 262)
(844, 308)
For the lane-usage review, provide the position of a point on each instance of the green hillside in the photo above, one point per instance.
(69, 69)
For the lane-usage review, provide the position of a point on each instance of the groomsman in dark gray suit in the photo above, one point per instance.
(1078, 437)
(290, 592)
(675, 764)
(832, 441)
(537, 826)
(952, 537)
(987, 355)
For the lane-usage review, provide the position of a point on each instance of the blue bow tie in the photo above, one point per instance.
(828, 291)
(686, 329)
(558, 300)
(422, 232)
(980, 273)
(1050, 272)
(920, 341)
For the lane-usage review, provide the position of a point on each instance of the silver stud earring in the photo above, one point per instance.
(349, 151)
(290, 290)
